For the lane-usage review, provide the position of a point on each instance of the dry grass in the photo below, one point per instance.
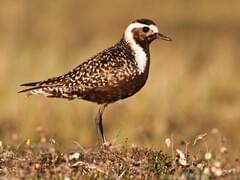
(47, 162)
(200, 159)
(194, 78)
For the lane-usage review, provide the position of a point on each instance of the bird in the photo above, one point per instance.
(113, 74)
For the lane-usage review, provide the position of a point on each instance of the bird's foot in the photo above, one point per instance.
(106, 145)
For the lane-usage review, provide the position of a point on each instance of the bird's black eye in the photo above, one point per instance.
(145, 29)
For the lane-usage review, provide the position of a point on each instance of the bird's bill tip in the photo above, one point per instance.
(163, 37)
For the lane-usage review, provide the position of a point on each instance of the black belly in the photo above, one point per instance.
(106, 95)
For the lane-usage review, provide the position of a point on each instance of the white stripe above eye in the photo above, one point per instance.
(154, 28)
(140, 55)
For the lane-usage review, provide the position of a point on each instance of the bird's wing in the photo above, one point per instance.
(100, 74)
(95, 73)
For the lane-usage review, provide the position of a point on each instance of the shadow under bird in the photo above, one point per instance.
(113, 74)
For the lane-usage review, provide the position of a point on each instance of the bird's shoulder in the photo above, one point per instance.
(113, 57)
(104, 68)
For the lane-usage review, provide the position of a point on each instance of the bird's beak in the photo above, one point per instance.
(163, 37)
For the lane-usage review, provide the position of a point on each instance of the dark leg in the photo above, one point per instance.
(101, 137)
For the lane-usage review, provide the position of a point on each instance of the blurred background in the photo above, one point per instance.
(193, 85)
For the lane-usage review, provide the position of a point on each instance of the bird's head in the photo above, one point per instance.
(143, 32)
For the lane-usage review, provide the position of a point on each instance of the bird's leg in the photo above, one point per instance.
(101, 137)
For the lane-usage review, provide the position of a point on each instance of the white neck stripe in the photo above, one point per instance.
(139, 53)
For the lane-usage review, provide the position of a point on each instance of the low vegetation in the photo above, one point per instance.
(189, 160)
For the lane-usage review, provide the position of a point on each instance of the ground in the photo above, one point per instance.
(45, 160)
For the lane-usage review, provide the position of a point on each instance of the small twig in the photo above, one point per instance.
(186, 147)
(206, 145)
(172, 146)
(129, 160)
(80, 146)
(121, 175)
(199, 137)
(90, 166)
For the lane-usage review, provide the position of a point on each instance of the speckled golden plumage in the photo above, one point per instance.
(112, 68)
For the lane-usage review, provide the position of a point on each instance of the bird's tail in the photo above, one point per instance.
(32, 83)
(49, 88)
(35, 88)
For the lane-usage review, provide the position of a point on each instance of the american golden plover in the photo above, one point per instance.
(115, 73)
